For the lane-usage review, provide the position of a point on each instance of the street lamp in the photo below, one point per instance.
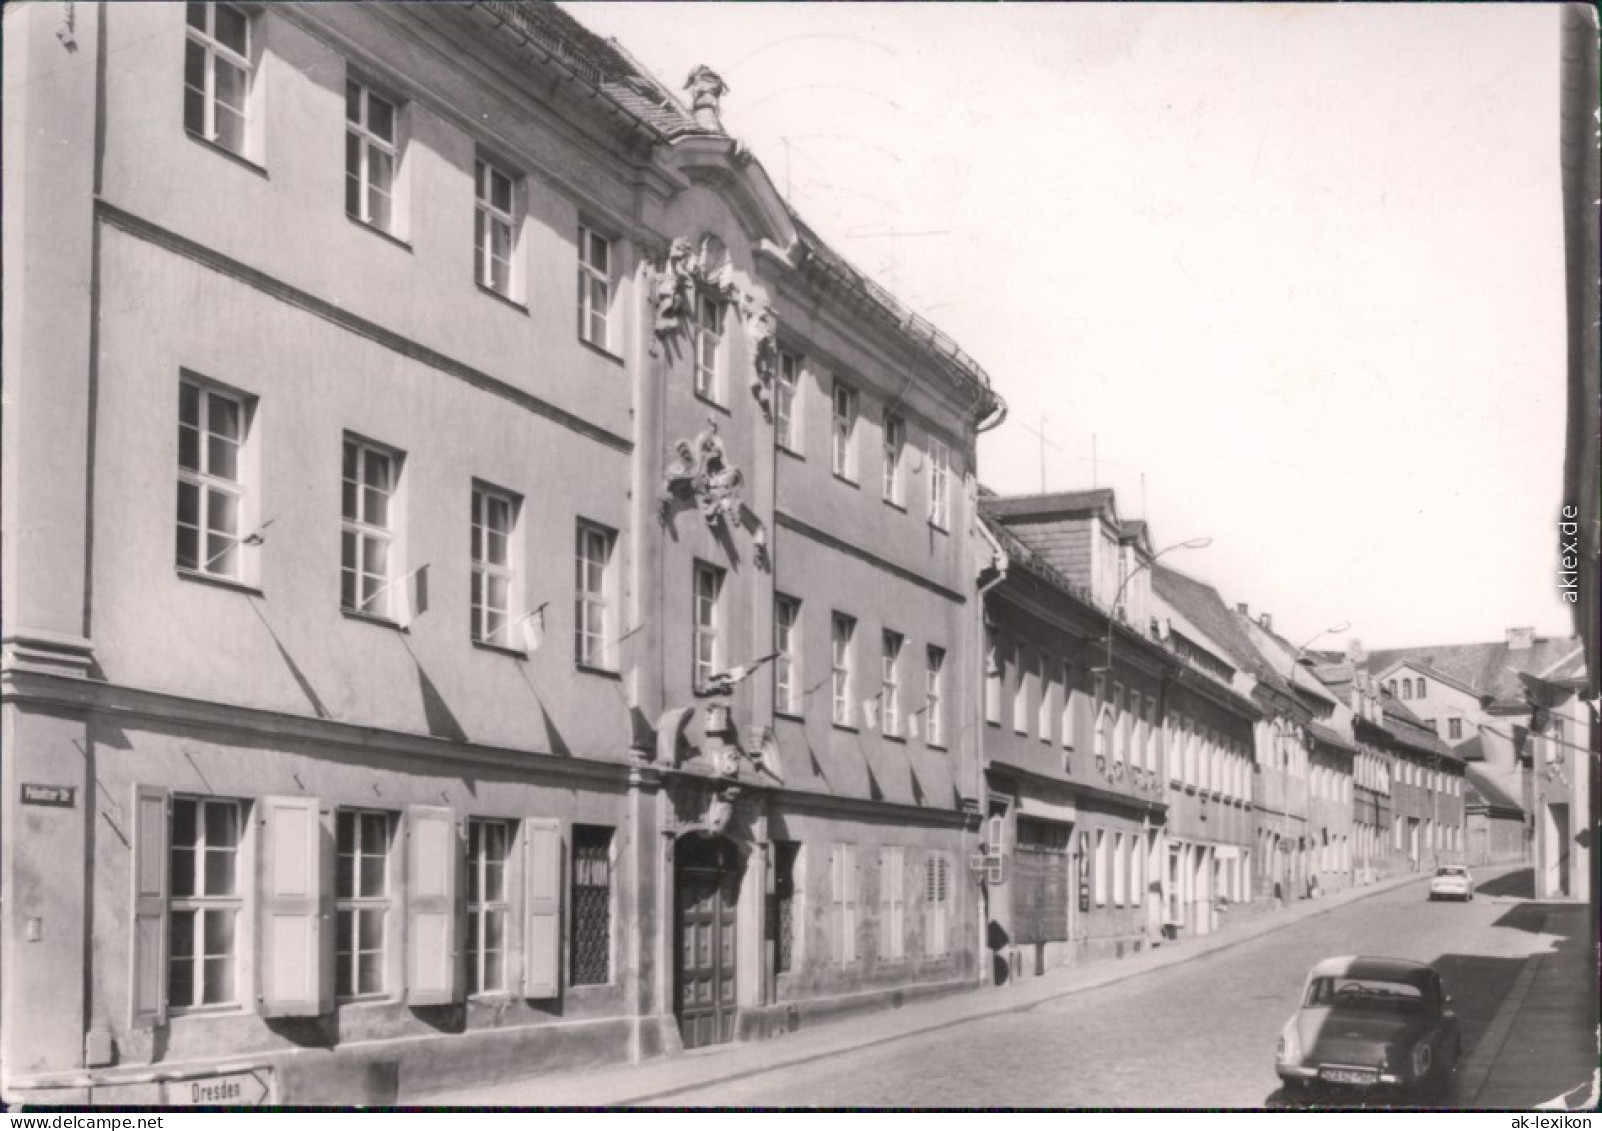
(1296, 666)
(1113, 615)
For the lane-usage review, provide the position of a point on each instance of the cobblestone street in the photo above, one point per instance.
(1199, 1034)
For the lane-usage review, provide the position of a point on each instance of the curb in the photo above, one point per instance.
(984, 1005)
(1269, 924)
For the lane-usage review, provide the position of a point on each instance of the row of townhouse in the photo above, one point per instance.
(486, 587)
(1158, 763)
(1492, 701)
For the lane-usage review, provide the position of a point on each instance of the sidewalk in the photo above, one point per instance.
(617, 1085)
(1540, 1049)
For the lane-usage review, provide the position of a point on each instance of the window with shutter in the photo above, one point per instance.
(843, 901)
(892, 904)
(297, 957)
(433, 861)
(147, 986)
(488, 905)
(542, 937)
(362, 897)
(206, 901)
(936, 893)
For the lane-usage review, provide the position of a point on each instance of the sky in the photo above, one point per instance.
(1289, 277)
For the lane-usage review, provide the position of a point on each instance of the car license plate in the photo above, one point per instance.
(1349, 1075)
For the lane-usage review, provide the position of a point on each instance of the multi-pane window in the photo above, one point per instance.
(367, 546)
(786, 854)
(204, 916)
(371, 156)
(939, 483)
(1067, 720)
(843, 631)
(1020, 693)
(1118, 878)
(936, 904)
(1119, 728)
(890, 683)
(787, 664)
(708, 337)
(211, 496)
(787, 403)
(494, 515)
(361, 900)
(1043, 706)
(844, 448)
(708, 637)
(892, 904)
(488, 846)
(992, 680)
(1101, 867)
(495, 228)
(217, 74)
(935, 688)
(592, 613)
(594, 286)
(895, 442)
(590, 963)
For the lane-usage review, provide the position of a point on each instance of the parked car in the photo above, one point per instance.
(1452, 881)
(1375, 1026)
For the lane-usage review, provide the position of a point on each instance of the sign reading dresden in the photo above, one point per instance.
(60, 796)
(231, 1089)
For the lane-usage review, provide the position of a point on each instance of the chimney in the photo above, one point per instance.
(1266, 620)
(706, 92)
(1522, 638)
(1243, 610)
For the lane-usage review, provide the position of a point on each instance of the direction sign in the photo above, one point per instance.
(230, 1089)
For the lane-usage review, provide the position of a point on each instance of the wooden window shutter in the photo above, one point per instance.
(147, 990)
(433, 858)
(296, 944)
(542, 936)
(898, 905)
(851, 875)
(884, 903)
(837, 903)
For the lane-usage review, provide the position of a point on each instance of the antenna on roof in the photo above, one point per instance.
(1040, 434)
(1094, 483)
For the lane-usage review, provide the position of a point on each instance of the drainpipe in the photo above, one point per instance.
(998, 562)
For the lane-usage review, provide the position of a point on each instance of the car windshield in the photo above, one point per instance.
(1366, 994)
(1448, 871)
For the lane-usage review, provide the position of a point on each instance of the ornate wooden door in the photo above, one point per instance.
(706, 898)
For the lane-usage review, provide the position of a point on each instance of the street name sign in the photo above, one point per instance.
(230, 1089)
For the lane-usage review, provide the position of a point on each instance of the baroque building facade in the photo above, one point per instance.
(486, 587)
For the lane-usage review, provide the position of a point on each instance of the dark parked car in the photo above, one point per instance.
(1374, 1025)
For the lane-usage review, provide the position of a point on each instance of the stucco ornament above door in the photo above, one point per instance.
(701, 470)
